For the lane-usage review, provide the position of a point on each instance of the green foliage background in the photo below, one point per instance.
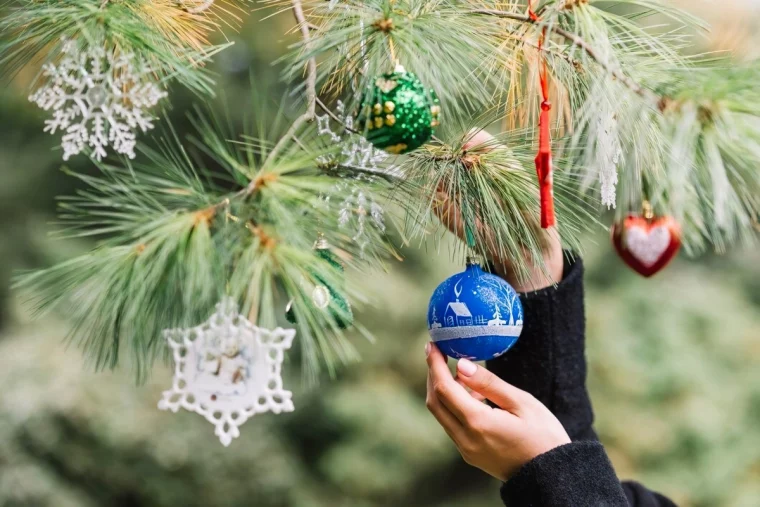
(673, 373)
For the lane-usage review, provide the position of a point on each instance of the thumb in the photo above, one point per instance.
(480, 380)
(476, 138)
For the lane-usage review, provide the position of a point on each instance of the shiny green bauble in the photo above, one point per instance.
(327, 298)
(399, 114)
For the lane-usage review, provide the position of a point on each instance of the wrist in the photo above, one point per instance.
(537, 278)
(555, 437)
(538, 275)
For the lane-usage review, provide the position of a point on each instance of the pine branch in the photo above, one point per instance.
(616, 73)
(335, 118)
(489, 192)
(364, 39)
(172, 241)
(173, 42)
(175, 231)
(202, 7)
(311, 83)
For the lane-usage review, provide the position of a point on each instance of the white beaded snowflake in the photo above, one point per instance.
(357, 209)
(357, 151)
(98, 99)
(228, 370)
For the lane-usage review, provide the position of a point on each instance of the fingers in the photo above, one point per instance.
(448, 213)
(445, 418)
(476, 395)
(446, 210)
(504, 395)
(448, 392)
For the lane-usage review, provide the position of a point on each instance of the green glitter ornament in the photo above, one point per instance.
(323, 296)
(399, 114)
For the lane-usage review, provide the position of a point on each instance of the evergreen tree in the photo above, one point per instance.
(234, 210)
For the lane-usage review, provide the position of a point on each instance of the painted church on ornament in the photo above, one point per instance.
(458, 314)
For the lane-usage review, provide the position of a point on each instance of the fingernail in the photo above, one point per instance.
(427, 349)
(467, 367)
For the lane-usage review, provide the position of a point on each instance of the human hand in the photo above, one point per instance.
(497, 440)
(538, 278)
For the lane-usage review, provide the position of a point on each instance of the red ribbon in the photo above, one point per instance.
(544, 156)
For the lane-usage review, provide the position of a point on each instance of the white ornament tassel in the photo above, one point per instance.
(608, 155)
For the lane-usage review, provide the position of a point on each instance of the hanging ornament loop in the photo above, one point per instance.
(544, 156)
(531, 13)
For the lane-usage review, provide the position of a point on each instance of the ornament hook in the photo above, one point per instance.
(646, 209)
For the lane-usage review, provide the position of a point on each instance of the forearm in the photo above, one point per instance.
(548, 360)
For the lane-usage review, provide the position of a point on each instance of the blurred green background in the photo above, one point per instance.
(673, 365)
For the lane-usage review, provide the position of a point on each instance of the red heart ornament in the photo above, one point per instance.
(647, 245)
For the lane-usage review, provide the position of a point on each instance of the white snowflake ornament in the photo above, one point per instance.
(356, 205)
(98, 98)
(228, 370)
(356, 151)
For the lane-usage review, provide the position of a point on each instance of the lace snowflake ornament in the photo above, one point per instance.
(228, 370)
(98, 99)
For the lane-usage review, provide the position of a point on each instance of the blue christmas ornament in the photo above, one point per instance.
(475, 315)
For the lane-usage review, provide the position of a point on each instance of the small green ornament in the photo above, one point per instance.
(399, 114)
(323, 296)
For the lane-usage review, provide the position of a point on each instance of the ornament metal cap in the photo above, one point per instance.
(647, 211)
(473, 260)
(321, 242)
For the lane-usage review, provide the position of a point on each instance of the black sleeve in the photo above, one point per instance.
(549, 362)
(570, 475)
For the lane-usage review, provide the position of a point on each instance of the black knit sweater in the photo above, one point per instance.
(548, 361)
